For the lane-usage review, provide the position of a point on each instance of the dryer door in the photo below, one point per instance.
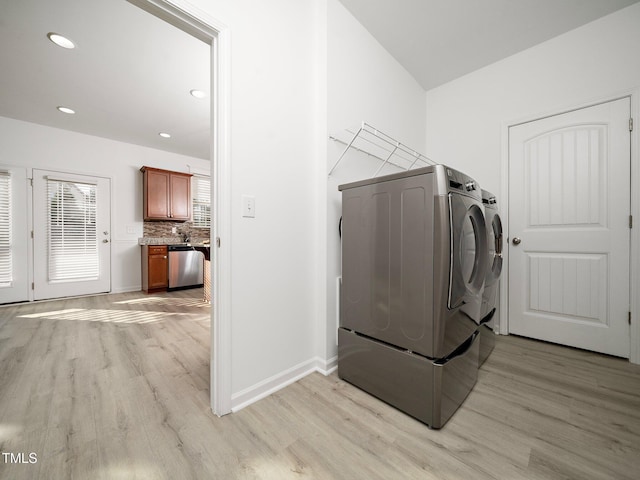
(469, 254)
(494, 246)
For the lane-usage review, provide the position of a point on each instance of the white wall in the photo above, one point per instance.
(364, 83)
(273, 115)
(465, 116)
(36, 146)
(299, 70)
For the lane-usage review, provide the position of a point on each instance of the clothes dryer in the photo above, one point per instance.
(414, 253)
(491, 290)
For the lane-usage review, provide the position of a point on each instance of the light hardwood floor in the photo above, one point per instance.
(116, 387)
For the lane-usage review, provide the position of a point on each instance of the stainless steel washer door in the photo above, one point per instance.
(469, 254)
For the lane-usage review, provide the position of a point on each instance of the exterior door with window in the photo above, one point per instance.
(14, 266)
(569, 206)
(72, 249)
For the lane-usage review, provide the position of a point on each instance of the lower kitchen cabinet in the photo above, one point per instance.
(155, 265)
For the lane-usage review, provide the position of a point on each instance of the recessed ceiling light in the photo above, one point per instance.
(66, 110)
(198, 93)
(164, 135)
(61, 41)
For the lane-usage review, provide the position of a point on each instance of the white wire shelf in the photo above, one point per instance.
(371, 141)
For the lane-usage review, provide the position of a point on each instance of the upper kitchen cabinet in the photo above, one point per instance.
(167, 195)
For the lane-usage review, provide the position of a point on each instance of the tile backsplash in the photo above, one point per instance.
(164, 229)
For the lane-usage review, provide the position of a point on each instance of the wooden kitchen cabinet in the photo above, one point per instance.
(155, 268)
(166, 194)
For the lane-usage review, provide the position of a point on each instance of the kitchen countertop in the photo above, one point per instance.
(169, 241)
(197, 245)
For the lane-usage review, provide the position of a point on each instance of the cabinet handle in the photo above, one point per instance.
(164, 256)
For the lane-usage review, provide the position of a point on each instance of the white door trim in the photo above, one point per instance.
(198, 23)
(633, 94)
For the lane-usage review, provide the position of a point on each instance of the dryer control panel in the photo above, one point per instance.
(460, 183)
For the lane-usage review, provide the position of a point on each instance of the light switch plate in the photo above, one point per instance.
(248, 206)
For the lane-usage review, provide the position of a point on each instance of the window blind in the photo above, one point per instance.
(72, 231)
(201, 193)
(6, 256)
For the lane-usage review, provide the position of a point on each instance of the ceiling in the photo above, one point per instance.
(128, 79)
(440, 40)
(130, 76)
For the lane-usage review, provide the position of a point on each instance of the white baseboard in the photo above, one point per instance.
(272, 384)
(134, 288)
(265, 388)
(326, 367)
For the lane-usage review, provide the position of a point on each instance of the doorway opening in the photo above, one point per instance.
(209, 30)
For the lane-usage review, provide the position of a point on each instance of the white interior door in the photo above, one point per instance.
(14, 266)
(72, 249)
(569, 207)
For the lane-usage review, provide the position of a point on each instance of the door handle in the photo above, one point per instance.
(516, 240)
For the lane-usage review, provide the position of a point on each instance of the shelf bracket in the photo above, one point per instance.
(345, 151)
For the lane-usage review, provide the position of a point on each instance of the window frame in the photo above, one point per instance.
(197, 202)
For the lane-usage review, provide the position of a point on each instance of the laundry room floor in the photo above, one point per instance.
(117, 386)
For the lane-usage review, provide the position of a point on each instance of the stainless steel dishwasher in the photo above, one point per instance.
(186, 267)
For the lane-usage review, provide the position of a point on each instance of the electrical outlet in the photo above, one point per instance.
(174, 229)
(248, 206)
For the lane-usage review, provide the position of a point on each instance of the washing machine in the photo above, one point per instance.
(414, 254)
(491, 289)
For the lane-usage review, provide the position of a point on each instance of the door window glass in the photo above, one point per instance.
(72, 232)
